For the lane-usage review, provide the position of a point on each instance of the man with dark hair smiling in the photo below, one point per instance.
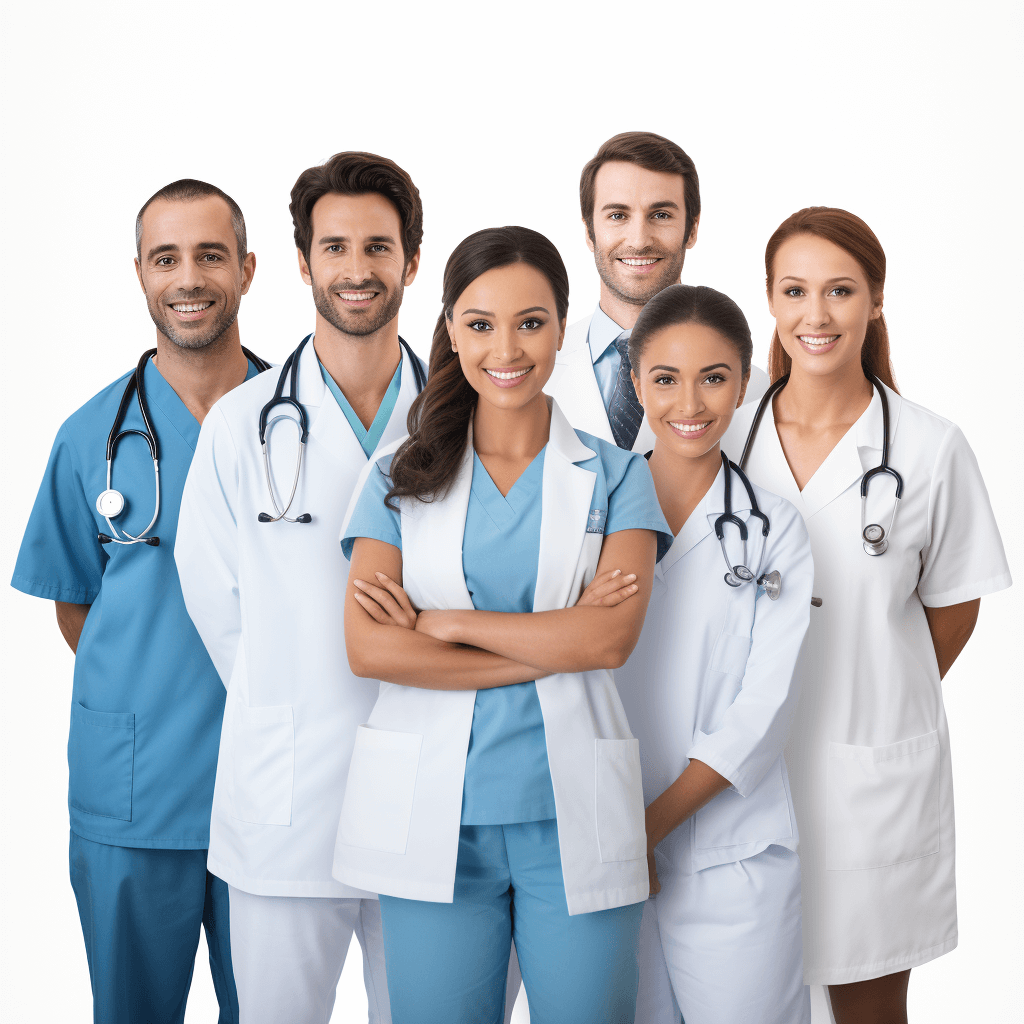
(146, 701)
(640, 202)
(264, 579)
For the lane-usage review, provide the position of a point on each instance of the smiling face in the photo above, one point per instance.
(356, 265)
(690, 382)
(639, 241)
(822, 305)
(189, 269)
(506, 331)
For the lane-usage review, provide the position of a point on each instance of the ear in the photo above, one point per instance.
(587, 238)
(451, 333)
(138, 273)
(743, 389)
(248, 269)
(561, 336)
(636, 387)
(876, 309)
(411, 267)
(304, 268)
(692, 240)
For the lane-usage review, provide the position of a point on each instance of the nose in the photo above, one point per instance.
(506, 347)
(691, 401)
(638, 233)
(817, 311)
(191, 276)
(354, 266)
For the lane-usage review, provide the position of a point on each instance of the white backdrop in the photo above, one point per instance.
(906, 114)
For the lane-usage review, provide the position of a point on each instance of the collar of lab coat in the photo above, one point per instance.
(702, 520)
(438, 578)
(602, 332)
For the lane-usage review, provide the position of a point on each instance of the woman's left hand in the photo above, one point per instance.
(387, 603)
(436, 623)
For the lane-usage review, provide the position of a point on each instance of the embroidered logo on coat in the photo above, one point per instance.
(596, 520)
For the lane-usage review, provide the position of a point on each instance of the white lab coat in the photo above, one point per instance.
(869, 754)
(268, 600)
(573, 384)
(399, 828)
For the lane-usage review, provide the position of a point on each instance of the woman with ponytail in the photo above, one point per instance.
(896, 600)
(501, 564)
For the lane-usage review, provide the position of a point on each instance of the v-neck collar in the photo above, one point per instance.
(161, 395)
(368, 437)
(504, 507)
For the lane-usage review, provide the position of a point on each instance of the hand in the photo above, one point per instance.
(388, 603)
(436, 623)
(608, 590)
(652, 871)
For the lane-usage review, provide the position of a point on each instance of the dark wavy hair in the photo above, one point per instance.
(689, 304)
(853, 236)
(426, 464)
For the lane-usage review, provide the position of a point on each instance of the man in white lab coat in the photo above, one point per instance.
(640, 201)
(264, 581)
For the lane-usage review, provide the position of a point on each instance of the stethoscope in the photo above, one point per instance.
(110, 503)
(875, 539)
(290, 372)
(739, 574)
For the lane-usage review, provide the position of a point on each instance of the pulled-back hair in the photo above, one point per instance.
(186, 190)
(690, 304)
(427, 463)
(652, 153)
(853, 236)
(357, 174)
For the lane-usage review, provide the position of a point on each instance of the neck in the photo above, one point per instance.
(361, 365)
(201, 376)
(682, 482)
(624, 313)
(512, 433)
(821, 401)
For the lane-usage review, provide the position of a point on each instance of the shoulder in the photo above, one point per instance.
(246, 401)
(615, 462)
(96, 416)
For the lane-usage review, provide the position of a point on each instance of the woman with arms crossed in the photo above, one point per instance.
(495, 792)
(897, 600)
(708, 689)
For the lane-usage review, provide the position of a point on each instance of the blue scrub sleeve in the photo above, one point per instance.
(632, 499)
(371, 517)
(60, 558)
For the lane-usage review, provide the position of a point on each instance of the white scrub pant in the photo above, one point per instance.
(724, 946)
(288, 952)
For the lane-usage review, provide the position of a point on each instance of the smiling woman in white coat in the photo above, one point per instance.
(709, 689)
(495, 789)
(897, 589)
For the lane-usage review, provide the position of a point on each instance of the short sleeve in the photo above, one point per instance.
(60, 558)
(964, 557)
(371, 517)
(633, 502)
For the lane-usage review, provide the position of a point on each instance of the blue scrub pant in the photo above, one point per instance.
(141, 911)
(447, 962)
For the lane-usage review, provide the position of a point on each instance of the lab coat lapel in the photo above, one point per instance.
(574, 384)
(567, 493)
(396, 426)
(700, 523)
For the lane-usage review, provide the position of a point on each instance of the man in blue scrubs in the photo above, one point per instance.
(146, 703)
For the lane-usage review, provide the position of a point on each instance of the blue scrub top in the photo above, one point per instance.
(507, 778)
(368, 439)
(147, 703)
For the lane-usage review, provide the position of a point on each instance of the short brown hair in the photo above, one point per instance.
(186, 190)
(652, 153)
(357, 174)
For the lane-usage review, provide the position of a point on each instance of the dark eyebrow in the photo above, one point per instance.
(671, 369)
(831, 280)
(664, 204)
(157, 249)
(715, 366)
(340, 239)
(218, 246)
(532, 309)
(481, 312)
(615, 206)
(381, 238)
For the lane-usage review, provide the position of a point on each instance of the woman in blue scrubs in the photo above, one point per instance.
(495, 792)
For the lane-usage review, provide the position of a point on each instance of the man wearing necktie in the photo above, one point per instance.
(640, 200)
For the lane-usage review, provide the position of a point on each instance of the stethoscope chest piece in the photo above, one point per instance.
(110, 503)
(772, 584)
(875, 541)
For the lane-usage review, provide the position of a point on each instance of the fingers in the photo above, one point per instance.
(618, 596)
(374, 610)
(397, 615)
(653, 872)
(609, 589)
(398, 593)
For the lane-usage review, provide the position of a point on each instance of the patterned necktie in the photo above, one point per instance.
(625, 413)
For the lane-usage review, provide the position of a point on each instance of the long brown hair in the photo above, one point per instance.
(426, 464)
(853, 236)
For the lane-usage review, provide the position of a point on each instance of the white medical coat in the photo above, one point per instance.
(400, 822)
(712, 679)
(869, 754)
(268, 601)
(573, 384)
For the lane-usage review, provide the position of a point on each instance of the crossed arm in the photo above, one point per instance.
(475, 650)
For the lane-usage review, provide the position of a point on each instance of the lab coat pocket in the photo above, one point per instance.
(379, 792)
(621, 832)
(730, 655)
(263, 764)
(101, 762)
(882, 803)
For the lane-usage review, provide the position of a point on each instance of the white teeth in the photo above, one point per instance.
(190, 307)
(639, 263)
(510, 375)
(808, 340)
(357, 296)
(688, 428)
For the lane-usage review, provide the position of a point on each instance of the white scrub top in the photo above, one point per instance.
(711, 678)
(869, 754)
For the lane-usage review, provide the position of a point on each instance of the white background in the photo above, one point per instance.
(906, 114)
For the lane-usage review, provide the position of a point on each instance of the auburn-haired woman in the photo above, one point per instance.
(905, 545)
(495, 792)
